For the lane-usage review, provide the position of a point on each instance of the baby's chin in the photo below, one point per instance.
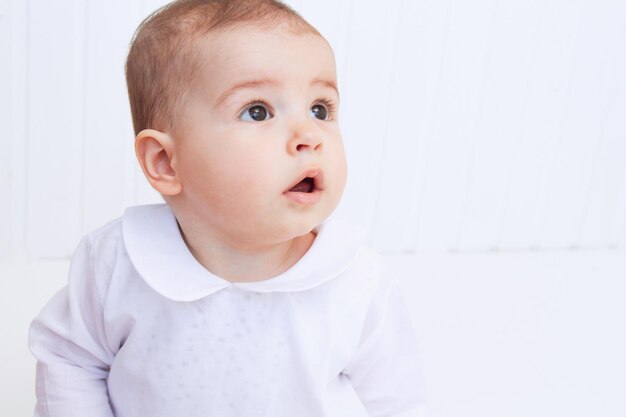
(300, 229)
(297, 227)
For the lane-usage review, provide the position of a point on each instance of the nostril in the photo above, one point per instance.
(305, 146)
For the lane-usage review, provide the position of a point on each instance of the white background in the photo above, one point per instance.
(487, 150)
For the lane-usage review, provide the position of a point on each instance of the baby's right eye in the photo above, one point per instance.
(256, 112)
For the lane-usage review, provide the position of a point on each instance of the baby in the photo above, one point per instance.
(238, 297)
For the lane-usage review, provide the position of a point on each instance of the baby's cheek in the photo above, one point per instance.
(257, 174)
(341, 166)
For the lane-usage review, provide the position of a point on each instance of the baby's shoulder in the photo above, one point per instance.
(97, 257)
(107, 241)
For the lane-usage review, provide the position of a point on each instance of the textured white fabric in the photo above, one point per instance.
(142, 329)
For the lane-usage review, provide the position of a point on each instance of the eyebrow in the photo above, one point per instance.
(245, 85)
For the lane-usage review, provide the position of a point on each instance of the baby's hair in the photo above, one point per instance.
(162, 61)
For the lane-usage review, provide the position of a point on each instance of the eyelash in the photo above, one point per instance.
(330, 105)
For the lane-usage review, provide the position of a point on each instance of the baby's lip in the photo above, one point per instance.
(316, 174)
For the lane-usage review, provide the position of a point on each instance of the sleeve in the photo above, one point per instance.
(68, 340)
(385, 371)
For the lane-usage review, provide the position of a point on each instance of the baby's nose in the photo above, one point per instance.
(305, 137)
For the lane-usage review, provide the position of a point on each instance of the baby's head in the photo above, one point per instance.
(234, 104)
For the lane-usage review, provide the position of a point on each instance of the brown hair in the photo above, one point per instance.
(162, 61)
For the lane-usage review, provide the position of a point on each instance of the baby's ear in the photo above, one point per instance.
(155, 151)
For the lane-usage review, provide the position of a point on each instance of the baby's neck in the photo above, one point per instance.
(235, 264)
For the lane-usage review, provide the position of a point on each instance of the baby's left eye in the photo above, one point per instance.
(320, 111)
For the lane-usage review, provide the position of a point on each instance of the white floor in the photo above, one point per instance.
(521, 334)
(502, 335)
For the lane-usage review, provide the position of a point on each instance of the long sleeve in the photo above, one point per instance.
(68, 340)
(385, 369)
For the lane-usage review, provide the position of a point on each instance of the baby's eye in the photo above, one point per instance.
(319, 111)
(324, 109)
(256, 113)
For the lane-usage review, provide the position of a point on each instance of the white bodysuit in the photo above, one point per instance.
(143, 330)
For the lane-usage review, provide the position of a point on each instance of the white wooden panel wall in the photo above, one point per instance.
(12, 75)
(5, 118)
(469, 125)
(55, 114)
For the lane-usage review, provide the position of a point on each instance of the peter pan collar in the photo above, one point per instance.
(161, 257)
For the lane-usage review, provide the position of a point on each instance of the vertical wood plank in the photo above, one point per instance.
(618, 229)
(496, 132)
(108, 126)
(581, 130)
(616, 133)
(55, 125)
(449, 146)
(13, 160)
(603, 210)
(6, 141)
(419, 41)
(17, 190)
(550, 73)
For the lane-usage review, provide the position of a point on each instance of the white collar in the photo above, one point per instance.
(160, 255)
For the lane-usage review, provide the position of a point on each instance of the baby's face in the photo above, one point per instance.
(262, 116)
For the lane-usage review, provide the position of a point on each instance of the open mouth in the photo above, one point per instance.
(307, 185)
(310, 182)
(308, 190)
